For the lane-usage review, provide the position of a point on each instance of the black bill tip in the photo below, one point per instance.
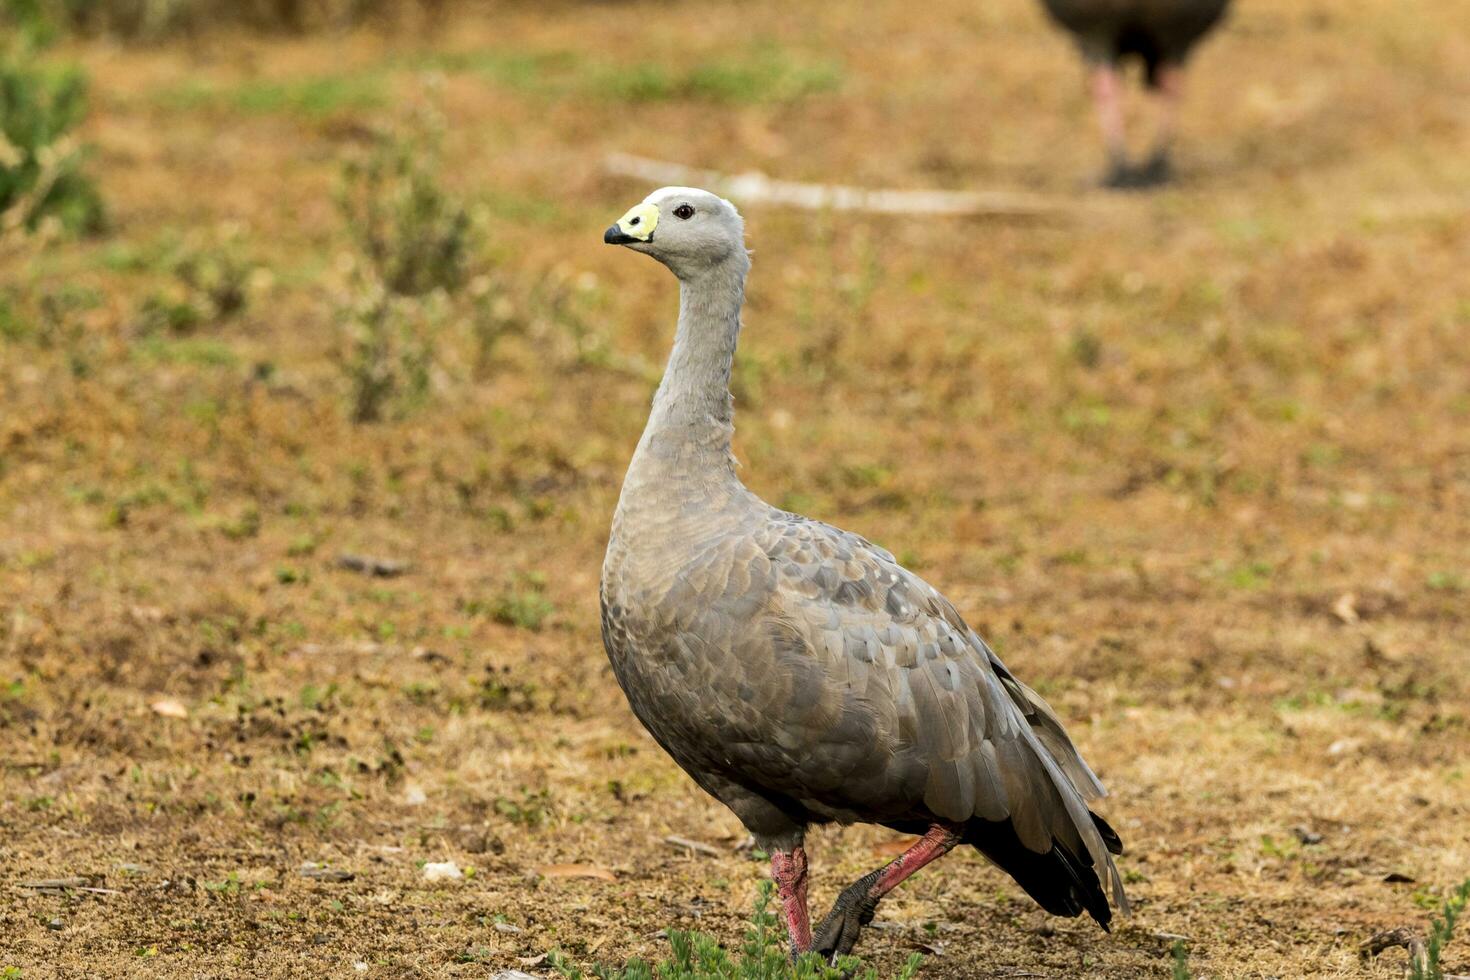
(616, 236)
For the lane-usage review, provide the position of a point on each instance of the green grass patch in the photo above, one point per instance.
(198, 351)
(311, 97)
(761, 74)
(765, 75)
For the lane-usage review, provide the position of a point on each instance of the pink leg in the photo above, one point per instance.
(854, 909)
(1107, 93)
(1170, 81)
(788, 868)
(938, 842)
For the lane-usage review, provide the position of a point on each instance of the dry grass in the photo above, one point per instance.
(1148, 450)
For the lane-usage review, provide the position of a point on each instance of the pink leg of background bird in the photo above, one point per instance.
(1170, 86)
(1107, 93)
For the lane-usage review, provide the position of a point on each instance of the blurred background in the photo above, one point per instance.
(317, 387)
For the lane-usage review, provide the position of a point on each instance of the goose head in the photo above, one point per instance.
(687, 229)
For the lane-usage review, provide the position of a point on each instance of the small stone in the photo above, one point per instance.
(1307, 836)
(442, 871)
(56, 925)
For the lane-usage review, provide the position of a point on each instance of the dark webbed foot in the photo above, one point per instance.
(1156, 170)
(838, 931)
(1121, 176)
(1130, 177)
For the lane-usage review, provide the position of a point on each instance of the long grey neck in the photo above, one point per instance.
(689, 429)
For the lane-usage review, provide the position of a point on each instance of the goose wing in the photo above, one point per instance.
(951, 733)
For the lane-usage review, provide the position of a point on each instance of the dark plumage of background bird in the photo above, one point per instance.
(1161, 33)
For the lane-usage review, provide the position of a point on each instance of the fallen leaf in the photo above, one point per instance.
(891, 848)
(575, 871)
(169, 708)
(1346, 608)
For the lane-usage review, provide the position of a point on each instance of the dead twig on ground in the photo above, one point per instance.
(698, 847)
(60, 886)
(368, 565)
(754, 187)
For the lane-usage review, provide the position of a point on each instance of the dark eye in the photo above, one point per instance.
(684, 212)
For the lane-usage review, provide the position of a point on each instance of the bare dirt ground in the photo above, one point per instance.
(1196, 462)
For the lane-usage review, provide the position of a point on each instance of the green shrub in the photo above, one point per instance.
(390, 353)
(763, 956)
(211, 285)
(416, 235)
(40, 158)
(415, 240)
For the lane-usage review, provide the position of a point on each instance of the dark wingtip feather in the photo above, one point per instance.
(1059, 881)
(1110, 837)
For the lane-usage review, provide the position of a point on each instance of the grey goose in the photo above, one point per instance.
(798, 673)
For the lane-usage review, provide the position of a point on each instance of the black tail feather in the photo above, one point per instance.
(1060, 881)
(1110, 837)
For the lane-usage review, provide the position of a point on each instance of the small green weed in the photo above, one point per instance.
(526, 609)
(496, 692)
(531, 810)
(1441, 929)
(1179, 958)
(211, 285)
(762, 956)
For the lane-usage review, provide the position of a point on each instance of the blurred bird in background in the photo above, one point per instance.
(1161, 33)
